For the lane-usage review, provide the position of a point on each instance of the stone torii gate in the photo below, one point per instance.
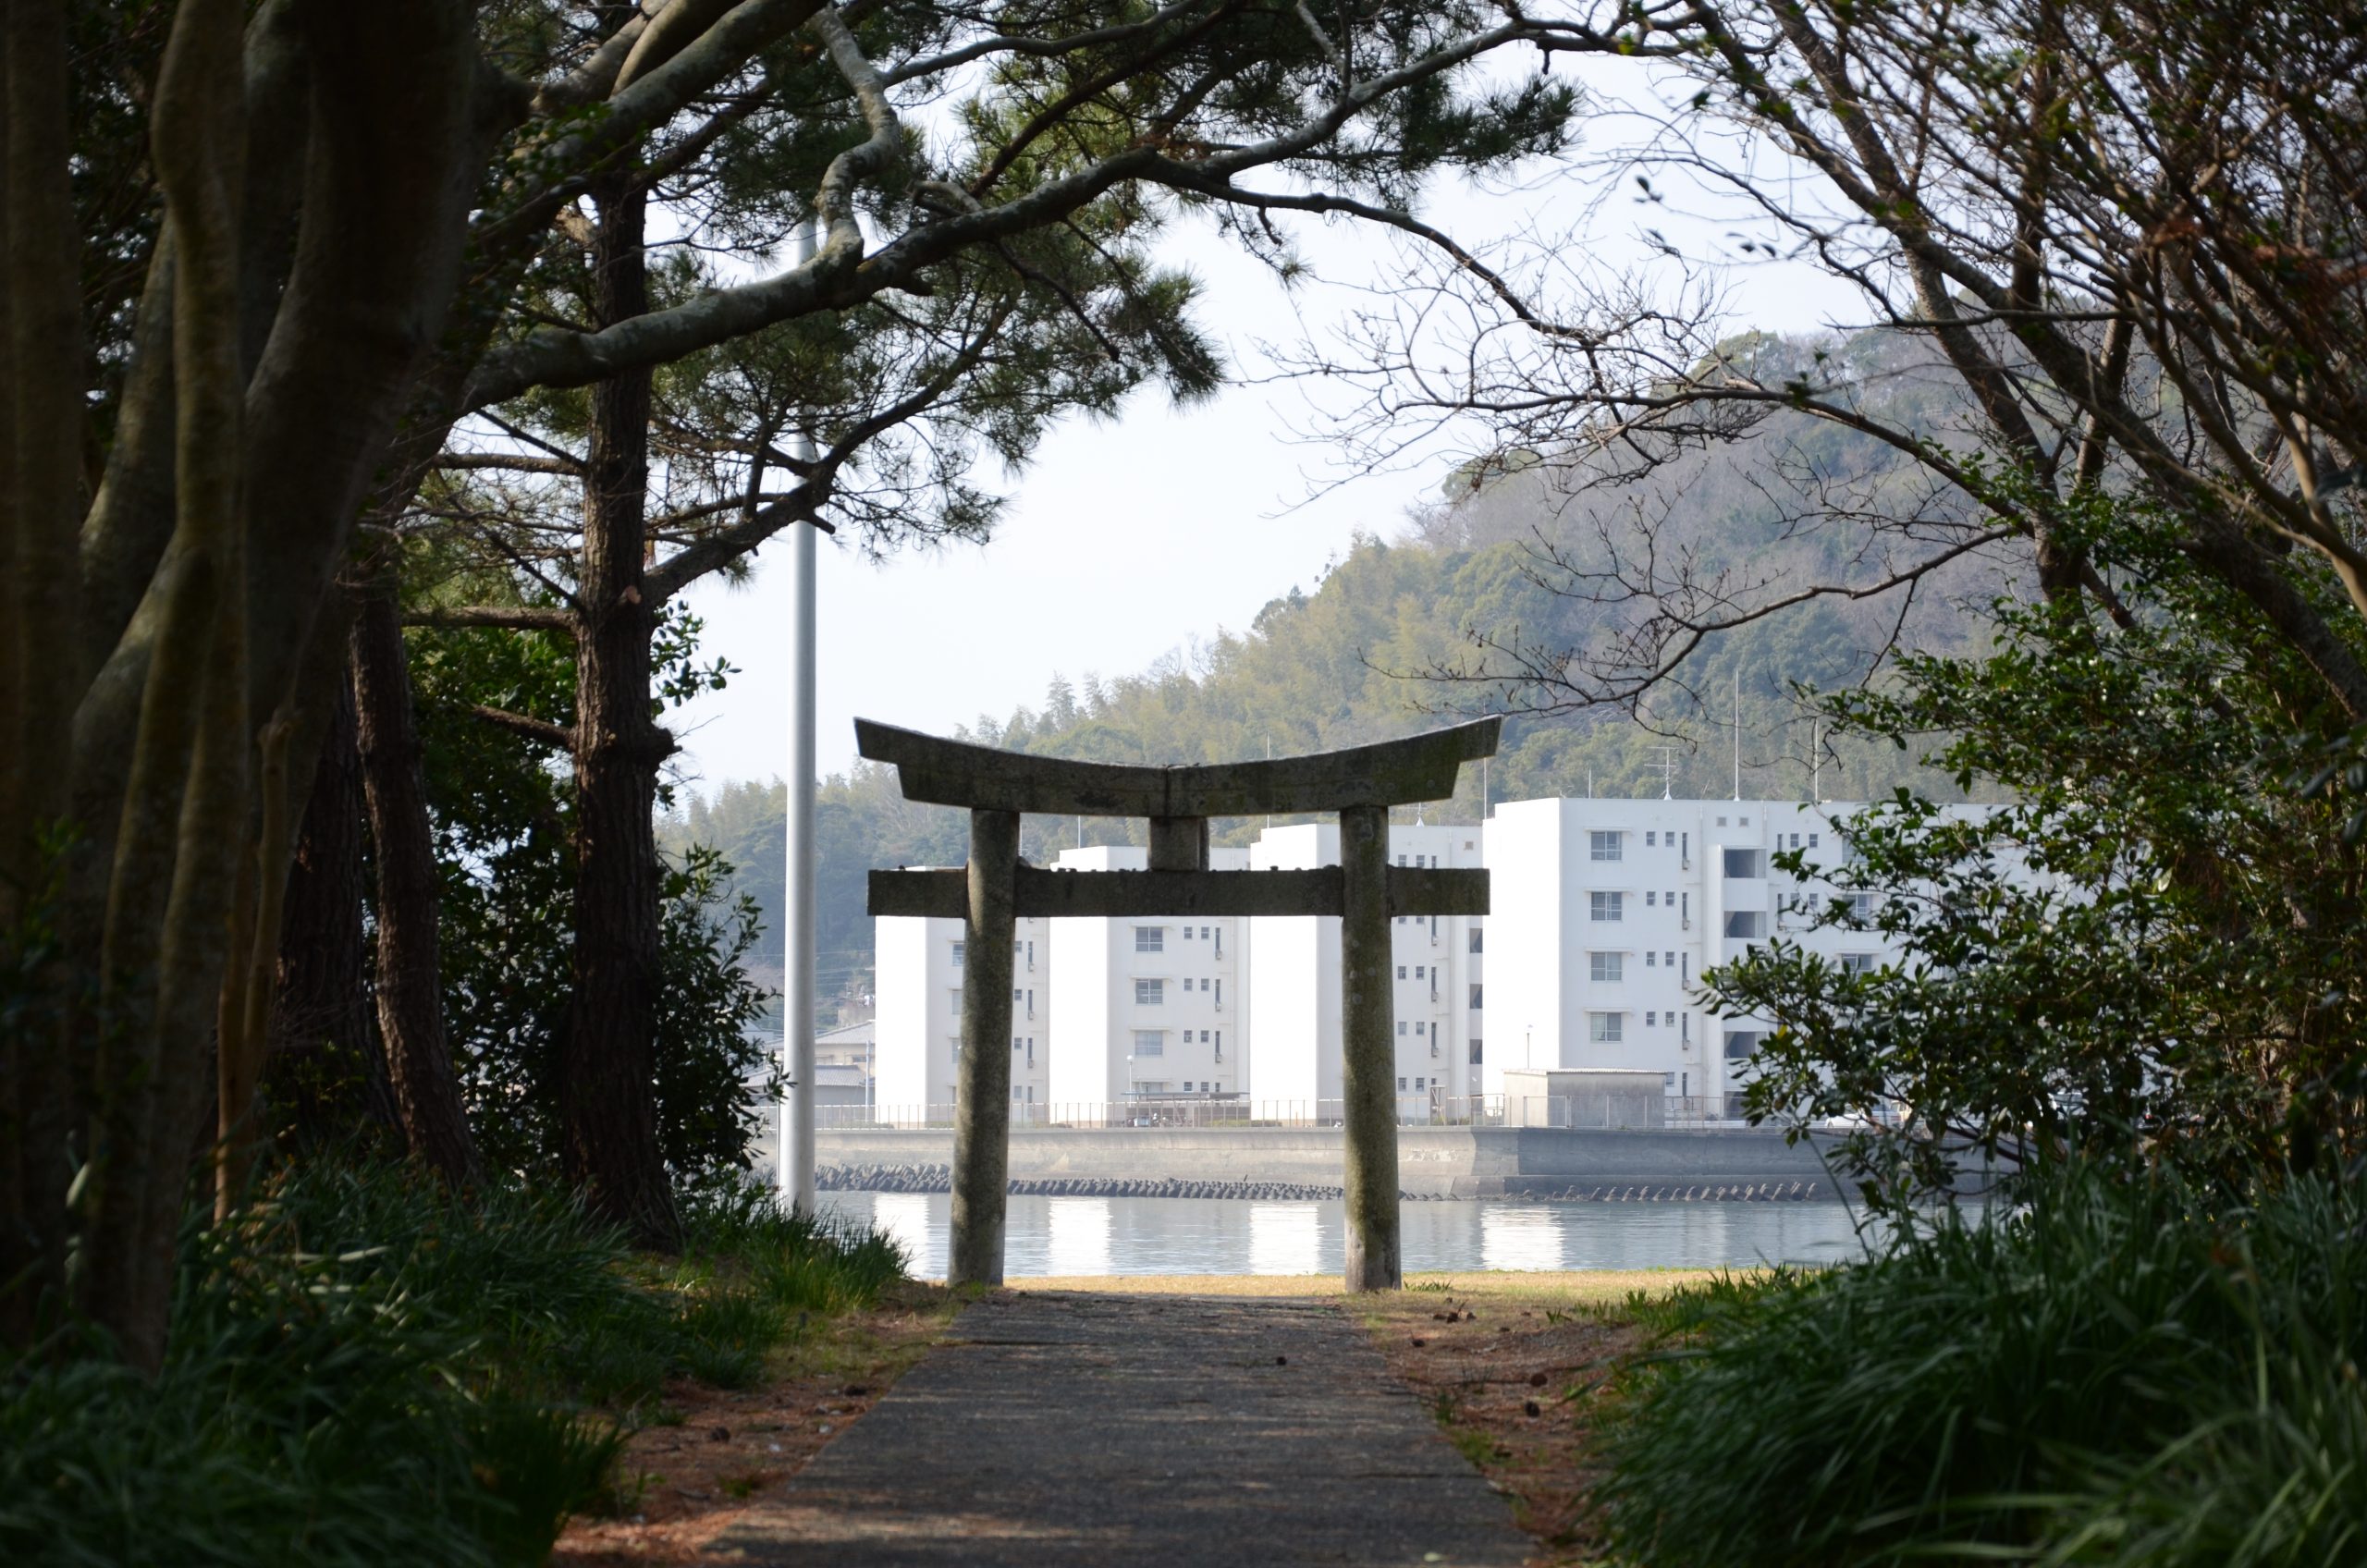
(995, 889)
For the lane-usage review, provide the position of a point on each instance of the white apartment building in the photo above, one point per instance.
(1294, 1027)
(1149, 1006)
(1606, 914)
(1608, 911)
(918, 1049)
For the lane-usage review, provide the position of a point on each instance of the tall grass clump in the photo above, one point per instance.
(365, 1369)
(2123, 1369)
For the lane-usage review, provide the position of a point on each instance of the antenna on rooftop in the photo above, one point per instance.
(1816, 762)
(1667, 767)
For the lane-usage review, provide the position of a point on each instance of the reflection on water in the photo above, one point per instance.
(1070, 1235)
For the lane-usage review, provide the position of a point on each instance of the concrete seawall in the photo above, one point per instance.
(1441, 1162)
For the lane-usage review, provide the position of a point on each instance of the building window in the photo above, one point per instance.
(1669, 960)
(1204, 984)
(1862, 906)
(1400, 859)
(1401, 1085)
(1722, 822)
(1605, 968)
(1417, 972)
(1150, 1042)
(954, 1000)
(1474, 938)
(1219, 1044)
(1401, 972)
(1651, 958)
(1856, 963)
(1150, 993)
(1607, 906)
(1602, 1028)
(1746, 924)
(1741, 1044)
(1475, 999)
(1220, 993)
(1745, 864)
(1203, 933)
(1795, 840)
(1684, 971)
(954, 1047)
(1401, 1028)
(1187, 933)
(1602, 846)
(958, 949)
(1811, 840)
(1649, 838)
(1150, 938)
(1651, 900)
(1475, 1050)
(1421, 1083)
(1651, 1020)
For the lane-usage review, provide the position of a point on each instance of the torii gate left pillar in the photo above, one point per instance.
(994, 890)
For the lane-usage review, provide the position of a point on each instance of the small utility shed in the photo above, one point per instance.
(1584, 1096)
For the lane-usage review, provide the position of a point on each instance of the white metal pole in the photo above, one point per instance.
(797, 928)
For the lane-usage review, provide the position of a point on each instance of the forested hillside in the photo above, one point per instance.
(1528, 559)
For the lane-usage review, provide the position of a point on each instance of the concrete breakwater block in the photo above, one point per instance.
(940, 1179)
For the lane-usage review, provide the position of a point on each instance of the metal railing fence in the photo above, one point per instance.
(1599, 1110)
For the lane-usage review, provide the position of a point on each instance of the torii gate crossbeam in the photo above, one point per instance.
(994, 890)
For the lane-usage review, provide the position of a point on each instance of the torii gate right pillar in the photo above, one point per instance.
(1368, 1055)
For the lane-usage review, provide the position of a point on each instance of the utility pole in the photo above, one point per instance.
(798, 936)
(1737, 734)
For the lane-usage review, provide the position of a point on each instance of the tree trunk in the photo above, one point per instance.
(410, 1003)
(326, 1081)
(607, 1067)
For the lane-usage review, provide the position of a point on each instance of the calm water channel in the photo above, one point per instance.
(1067, 1235)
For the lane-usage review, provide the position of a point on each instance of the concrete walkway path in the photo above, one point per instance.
(1172, 1431)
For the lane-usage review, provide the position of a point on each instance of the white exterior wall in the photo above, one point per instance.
(913, 958)
(1119, 984)
(1295, 1007)
(920, 1012)
(1294, 1027)
(1528, 892)
(1676, 900)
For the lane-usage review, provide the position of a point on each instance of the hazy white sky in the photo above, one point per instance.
(1127, 539)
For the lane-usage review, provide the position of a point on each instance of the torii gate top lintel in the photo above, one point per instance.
(1390, 773)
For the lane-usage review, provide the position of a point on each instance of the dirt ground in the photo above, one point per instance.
(687, 1478)
(1512, 1367)
(1508, 1362)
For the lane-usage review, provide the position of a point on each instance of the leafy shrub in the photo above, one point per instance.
(367, 1370)
(2125, 1370)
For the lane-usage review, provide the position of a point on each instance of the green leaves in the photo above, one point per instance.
(2184, 806)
